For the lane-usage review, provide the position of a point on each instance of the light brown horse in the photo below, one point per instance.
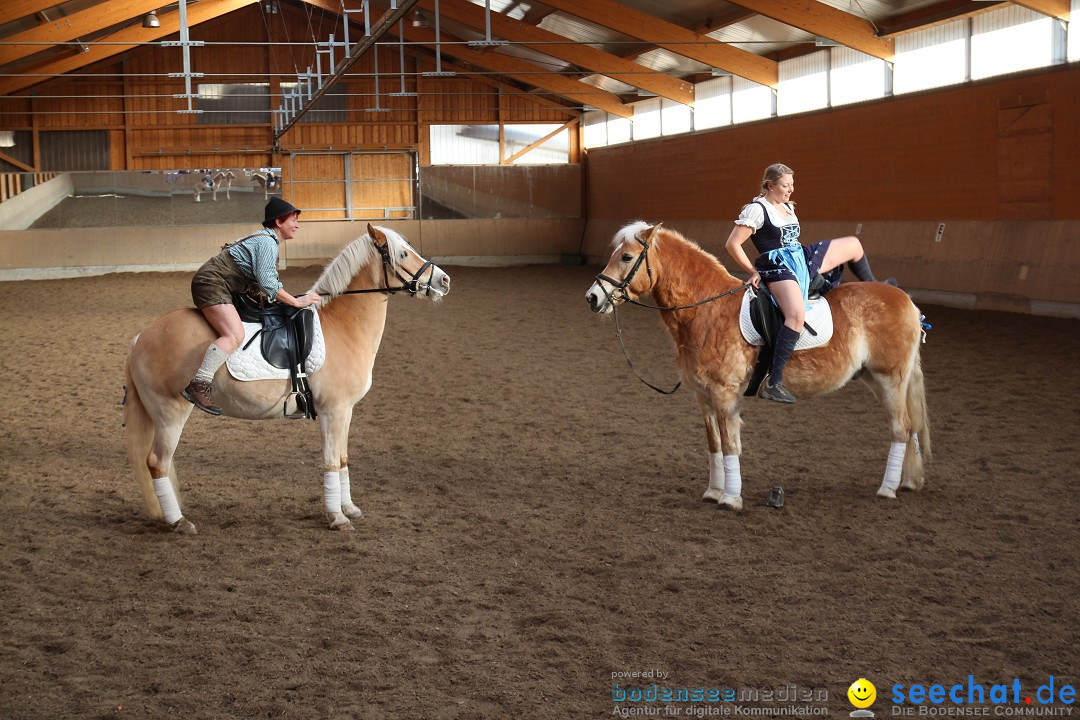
(268, 182)
(876, 337)
(162, 358)
(213, 183)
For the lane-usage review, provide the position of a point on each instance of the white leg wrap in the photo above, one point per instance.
(170, 508)
(346, 492)
(894, 466)
(732, 476)
(331, 485)
(716, 472)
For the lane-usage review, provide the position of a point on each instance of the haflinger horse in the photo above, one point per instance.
(162, 358)
(876, 337)
(267, 182)
(211, 183)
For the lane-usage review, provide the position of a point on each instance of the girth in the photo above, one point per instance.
(285, 338)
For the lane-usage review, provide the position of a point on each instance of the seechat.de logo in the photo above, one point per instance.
(862, 694)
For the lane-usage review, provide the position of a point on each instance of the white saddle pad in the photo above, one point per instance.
(819, 317)
(251, 365)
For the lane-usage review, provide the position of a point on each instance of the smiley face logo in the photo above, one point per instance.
(862, 693)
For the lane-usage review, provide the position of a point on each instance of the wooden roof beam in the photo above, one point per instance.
(197, 13)
(669, 36)
(501, 85)
(941, 12)
(15, 9)
(1054, 8)
(525, 72)
(536, 14)
(825, 21)
(72, 27)
(584, 56)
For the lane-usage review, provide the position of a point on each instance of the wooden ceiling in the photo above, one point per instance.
(569, 49)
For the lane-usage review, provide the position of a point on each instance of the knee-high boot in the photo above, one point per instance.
(785, 345)
(861, 269)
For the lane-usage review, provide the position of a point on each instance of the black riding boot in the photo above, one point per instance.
(861, 269)
(785, 345)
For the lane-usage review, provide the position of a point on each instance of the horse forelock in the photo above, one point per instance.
(353, 258)
(630, 233)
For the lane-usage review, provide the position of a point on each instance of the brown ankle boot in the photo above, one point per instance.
(198, 394)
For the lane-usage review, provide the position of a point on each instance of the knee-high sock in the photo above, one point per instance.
(214, 358)
(785, 345)
(861, 269)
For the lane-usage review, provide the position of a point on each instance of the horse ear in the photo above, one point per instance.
(653, 232)
(375, 234)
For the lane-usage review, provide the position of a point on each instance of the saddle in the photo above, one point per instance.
(767, 320)
(285, 338)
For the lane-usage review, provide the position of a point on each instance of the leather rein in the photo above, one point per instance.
(620, 291)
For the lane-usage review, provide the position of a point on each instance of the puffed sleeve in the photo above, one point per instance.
(752, 216)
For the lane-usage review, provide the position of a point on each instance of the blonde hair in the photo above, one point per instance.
(772, 175)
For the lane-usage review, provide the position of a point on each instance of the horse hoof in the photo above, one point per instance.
(913, 485)
(338, 521)
(712, 495)
(884, 492)
(184, 527)
(731, 502)
(352, 512)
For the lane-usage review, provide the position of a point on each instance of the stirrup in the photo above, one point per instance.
(302, 408)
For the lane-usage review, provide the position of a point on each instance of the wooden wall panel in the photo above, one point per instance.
(317, 181)
(457, 100)
(15, 113)
(522, 109)
(379, 182)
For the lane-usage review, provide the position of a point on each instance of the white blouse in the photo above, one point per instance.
(753, 215)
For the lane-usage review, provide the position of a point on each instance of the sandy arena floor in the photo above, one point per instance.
(533, 527)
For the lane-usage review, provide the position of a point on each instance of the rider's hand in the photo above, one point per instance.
(755, 280)
(312, 298)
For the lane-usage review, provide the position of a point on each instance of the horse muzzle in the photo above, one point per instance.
(438, 285)
(599, 299)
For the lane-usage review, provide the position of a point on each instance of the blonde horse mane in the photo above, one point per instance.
(630, 233)
(357, 254)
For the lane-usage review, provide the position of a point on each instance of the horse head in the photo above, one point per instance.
(389, 263)
(620, 278)
(401, 259)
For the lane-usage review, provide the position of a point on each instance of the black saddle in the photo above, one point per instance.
(285, 338)
(767, 319)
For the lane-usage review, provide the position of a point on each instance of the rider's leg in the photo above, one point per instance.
(226, 322)
(789, 297)
(849, 250)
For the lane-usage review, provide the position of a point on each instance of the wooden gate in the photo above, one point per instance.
(353, 185)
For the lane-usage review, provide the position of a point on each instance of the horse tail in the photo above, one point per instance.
(139, 434)
(918, 443)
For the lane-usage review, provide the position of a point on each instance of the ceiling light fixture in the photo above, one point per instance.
(150, 20)
(7, 138)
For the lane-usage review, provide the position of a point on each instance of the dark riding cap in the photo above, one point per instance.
(275, 209)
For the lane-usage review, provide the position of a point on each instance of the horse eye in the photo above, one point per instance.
(627, 257)
(404, 254)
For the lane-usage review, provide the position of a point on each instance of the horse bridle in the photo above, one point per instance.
(621, 285)
(412, 285)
